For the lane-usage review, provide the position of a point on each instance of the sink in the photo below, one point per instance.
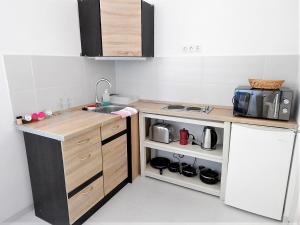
(108, 109)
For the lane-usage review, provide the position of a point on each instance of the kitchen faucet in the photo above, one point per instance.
(98, 102)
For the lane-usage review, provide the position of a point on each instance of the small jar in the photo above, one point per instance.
(19, 120)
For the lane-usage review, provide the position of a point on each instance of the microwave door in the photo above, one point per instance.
(241, 103)
(255, 108)
(271, 104)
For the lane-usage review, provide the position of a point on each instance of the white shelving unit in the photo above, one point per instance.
(219, 155)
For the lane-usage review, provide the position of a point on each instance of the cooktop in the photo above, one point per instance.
(201, 109)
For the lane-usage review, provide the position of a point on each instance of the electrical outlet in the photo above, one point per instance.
(192, 49)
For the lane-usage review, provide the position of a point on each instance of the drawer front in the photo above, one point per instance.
(115, 168)
(81, 141)
(111, 129)
(84, 200)
(82, 165)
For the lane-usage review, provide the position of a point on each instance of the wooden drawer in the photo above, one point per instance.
(115, 168)
(82, 164)
(113, 128)
(80, 203)
(81, 141)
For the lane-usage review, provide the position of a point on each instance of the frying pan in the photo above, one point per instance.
(160, 163)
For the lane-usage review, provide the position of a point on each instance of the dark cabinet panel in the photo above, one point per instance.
(90, 27)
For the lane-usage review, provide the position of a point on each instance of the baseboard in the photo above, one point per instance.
(19, 214)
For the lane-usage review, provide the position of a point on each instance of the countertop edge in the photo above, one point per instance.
(242, 120)
(40, 133)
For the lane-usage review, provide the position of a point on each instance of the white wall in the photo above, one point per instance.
(15, 192)
(231, 27)
(238, 39)
(206, 80)
(38, 83)
(33, 27)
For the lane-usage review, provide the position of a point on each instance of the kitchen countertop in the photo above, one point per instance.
(64, 126)
(67, 125)
(219, 113)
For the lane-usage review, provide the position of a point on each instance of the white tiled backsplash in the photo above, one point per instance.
(39, 82)
(206, 79)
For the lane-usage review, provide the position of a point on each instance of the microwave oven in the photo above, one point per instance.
(261, 103)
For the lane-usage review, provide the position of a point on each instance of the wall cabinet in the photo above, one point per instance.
(120, 28)
(258, 169)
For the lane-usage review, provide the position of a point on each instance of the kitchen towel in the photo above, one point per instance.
(128, 111)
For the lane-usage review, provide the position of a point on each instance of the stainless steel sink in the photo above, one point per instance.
(108, 109)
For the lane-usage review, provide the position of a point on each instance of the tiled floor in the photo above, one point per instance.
(151, 201)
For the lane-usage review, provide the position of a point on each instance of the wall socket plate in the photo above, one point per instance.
(192, 49)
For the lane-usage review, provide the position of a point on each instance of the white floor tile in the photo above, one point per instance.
(151, 201)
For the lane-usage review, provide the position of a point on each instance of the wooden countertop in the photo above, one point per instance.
(68, 125)
(219, 113)
(65, 126)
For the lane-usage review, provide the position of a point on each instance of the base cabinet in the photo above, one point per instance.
(258, 169)
(72, 179)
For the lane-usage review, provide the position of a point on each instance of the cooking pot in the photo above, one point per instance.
(188, 171)
(208, 176)
(174, 167)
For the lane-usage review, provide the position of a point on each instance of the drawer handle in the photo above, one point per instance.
(88, 191)
(83, 141)
(116, 127)
(86, 157)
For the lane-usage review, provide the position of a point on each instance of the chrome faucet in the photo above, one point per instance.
(97, 84)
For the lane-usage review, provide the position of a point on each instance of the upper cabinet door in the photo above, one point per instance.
(121, 27)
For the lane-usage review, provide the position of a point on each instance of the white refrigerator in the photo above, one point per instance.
(258, 169)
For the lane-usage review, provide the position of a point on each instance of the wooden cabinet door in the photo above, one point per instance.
(115, 169)
(121, 27)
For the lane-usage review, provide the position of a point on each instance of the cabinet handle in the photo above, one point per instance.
(116, 127)
(88, 191)
(83, 141)
(86, 157)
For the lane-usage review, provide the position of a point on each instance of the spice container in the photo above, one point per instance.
(19, 120)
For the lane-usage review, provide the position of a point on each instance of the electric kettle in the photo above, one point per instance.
(209, 138)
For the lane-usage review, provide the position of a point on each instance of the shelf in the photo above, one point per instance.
(174, 118)
(189, 182)
(188, 150)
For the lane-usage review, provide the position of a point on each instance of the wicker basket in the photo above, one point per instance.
(266, 84)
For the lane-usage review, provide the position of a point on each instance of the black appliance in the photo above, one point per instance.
(261, 103)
